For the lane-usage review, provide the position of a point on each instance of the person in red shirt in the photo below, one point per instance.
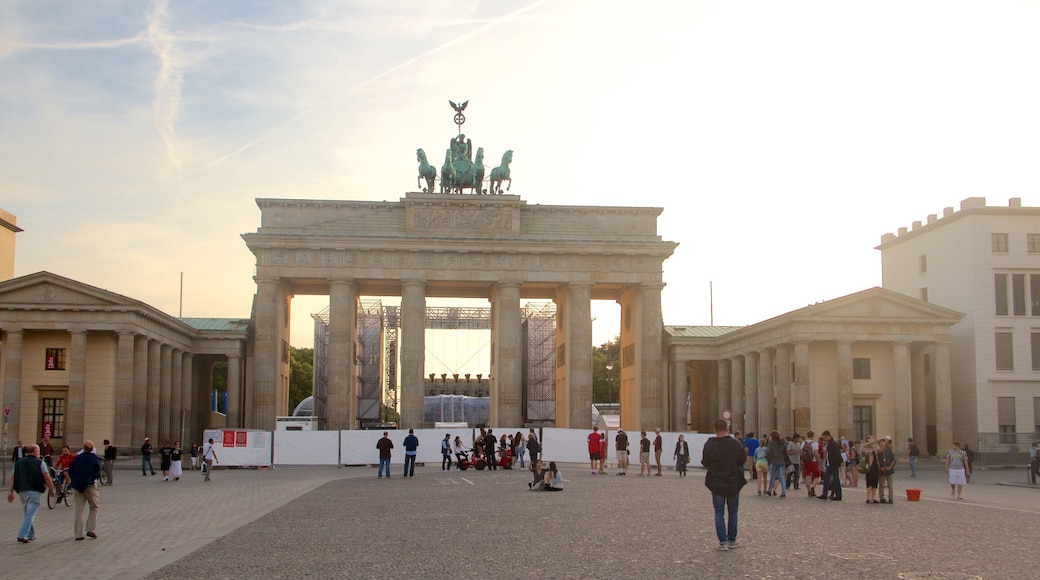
(593, 441)
(61, 464)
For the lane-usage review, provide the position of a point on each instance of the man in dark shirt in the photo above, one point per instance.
(621, 448)
(411, 444)
(490, 442)
(84, 471)
(384, 445)
(832, 476)
(110, 462)
(29, 480)
(723, 457)
(146, 456)
(165, 459)
(658, 448)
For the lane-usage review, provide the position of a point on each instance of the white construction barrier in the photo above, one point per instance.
(359, 447)
(240, 447)
(306, 447)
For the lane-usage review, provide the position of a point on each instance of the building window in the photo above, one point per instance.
(54, 415)
(861, 369)
(1033, 243)
(1036, 417)
(922, 263)
(55, 359)
(1005, 352)
(1006, 419)
(862, 421)
(1000, 243)
(1018, 294)
(1034, 294)
(927, 363)
(924, 294)
(1034, 340)
(1000, 291)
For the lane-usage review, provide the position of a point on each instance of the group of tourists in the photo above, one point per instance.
(171, 459)
(598, 447)
(32, 477)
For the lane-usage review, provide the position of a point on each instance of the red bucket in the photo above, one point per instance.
(913, 495)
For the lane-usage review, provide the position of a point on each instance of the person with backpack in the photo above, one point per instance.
(912, 453)
(810, 464)
(794, 452)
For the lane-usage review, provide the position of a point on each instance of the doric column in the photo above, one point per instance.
(413, 349)
(234, 389)
(506, 391)
(802, 414)
(154, 382)
(901, 392)
(124, 392)
(165, 391)
(725, 388)
(919, 383)
(651, 359)
(751, 393)
(13, 381)
(341, 394)
(176, 411)
(579, 357)
(736, 403)
(75, 407)
(784, 414)
(766, 402)
(139, 424)
(269, 346)
(843, 350)
(191, 419)
(680, 416)
(943, 398)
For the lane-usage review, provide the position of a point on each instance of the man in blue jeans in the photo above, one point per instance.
(146, 457)
(384, 446)
(832, 476)
(30, 480)
(411, 443)
(723, 457)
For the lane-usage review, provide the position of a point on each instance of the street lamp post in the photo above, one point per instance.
(609, 367)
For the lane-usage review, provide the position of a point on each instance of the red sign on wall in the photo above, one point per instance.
(229, 439)
(240, 438)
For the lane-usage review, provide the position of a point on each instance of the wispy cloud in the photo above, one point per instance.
(167, 82)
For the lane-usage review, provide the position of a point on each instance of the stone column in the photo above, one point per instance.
(802, 414)
(413, 350)
(725, 388)
(845, 403)
(341, 396)
(176, 403)
(139, 425)
(680, 417)
(737, 399)
(13, 383)
(766, 402)
(653, 387)
(191, 419)
(784, 412)
(234, 386)
(154, 382)
(75, 405)
(901, 393)
(165, 391)
(751, 393)
(579, 356)
(269, 331)
(919, 401)
(943, 399)
(123, 428)
(506, 363)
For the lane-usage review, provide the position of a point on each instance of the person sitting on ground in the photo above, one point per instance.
(553, 478)
(539, 476)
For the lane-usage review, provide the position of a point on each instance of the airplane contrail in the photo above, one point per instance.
(168, 82)
(366, 83)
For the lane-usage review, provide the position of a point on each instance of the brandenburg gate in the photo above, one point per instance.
(493, 247)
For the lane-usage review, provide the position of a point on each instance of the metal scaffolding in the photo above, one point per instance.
(320, 381)
(539, 364)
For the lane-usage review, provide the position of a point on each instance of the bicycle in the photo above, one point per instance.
(62, 491)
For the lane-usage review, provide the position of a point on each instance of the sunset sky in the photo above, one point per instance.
(782, 138)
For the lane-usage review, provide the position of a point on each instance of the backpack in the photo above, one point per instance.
(864, 463)
(807, 453)
(914, 451)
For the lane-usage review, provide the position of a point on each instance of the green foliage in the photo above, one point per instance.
(301, 375)
(604, 391)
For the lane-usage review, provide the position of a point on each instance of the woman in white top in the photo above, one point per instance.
(460, 451)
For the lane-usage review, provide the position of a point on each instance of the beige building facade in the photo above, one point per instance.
(8, 229)
(871, 363)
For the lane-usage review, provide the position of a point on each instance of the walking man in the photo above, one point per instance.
(723, 457)
(411, 444)
(658, 447)
(146, 456)
(110, 462)
(85, 471)
(912, 453)
(384, 445)
(832, 475)
(209, 456)
(887, 468)
(446, 452)
(29, 479)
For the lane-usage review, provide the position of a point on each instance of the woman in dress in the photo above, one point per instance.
(681, 455)
(873, 470)
(176, 456)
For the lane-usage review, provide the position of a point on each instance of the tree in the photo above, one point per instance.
(301, 375)
(603, 390)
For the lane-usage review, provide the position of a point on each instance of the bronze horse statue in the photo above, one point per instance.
(500, 174)
(426, 171)
(459, 173)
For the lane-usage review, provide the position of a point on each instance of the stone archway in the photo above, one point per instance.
(497, 248)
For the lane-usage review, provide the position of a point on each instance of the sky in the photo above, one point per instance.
(781, 138)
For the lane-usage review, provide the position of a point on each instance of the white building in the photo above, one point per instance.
(983, 261)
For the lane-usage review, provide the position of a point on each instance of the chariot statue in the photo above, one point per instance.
(462, 170)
